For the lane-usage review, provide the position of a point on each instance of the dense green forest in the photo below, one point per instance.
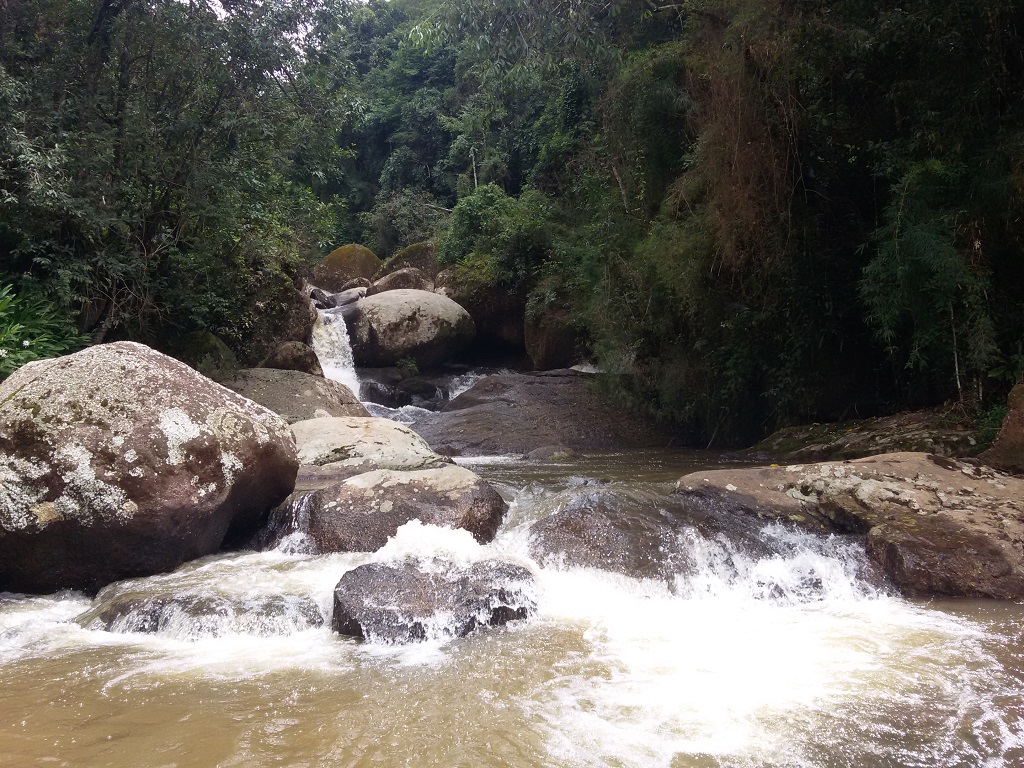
(752, 213)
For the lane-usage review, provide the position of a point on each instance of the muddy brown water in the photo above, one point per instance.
(786, 660)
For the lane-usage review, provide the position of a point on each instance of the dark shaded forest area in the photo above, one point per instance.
(752, 214)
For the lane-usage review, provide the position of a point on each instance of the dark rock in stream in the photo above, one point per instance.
(637, 533)
(518, 413)
(192, 617)
(395, 604)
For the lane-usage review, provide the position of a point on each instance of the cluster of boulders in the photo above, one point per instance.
(120, 462)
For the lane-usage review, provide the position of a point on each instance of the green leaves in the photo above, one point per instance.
(31, 330)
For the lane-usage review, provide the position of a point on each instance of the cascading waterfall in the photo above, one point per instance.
(334, 350)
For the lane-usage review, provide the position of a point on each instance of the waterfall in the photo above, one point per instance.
(332, 347)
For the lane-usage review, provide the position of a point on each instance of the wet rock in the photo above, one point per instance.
(384, 394)
(517, 413)
(1007, 452)
(346, 297)
(321, 299)
(118, 461)
(362, 512)
(419, 325)
(294, 356)
(193, 617)
(936, 526)
(636, 533)
(408, 278)
(396, 604)
(295, 395)
(344, 264)
(551, 453)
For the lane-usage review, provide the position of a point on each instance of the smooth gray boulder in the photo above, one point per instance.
(407, 278)
(119, 461)
(296, 395)
(397, 604)
(419, 325)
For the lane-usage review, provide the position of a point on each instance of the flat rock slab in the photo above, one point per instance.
(517, 413)
(936, 526)
(294, 395)
(397, 604)
(348, 446)
(918, 431)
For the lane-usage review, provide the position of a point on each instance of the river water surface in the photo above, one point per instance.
(789, 659)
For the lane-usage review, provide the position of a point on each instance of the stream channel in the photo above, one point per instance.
(781, 655)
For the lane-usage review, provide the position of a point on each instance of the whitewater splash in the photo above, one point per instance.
(334, 350)
(780, 657)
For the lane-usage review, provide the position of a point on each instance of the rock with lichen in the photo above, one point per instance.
(119, 461)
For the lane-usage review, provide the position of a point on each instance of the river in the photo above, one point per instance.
(785, 660)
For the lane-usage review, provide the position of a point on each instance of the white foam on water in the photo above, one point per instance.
(407, 414)
(334, 350)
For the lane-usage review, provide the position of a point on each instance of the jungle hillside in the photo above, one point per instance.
(748, 214)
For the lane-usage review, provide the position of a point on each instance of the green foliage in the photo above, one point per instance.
(31, 330)
(510, 234)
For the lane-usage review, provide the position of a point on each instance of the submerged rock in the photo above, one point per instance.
(423, 326)
(936, 526)
(518, 413)
(395, 604)
(295, 395)
(193, 617)
(118, 461)
(362, 512)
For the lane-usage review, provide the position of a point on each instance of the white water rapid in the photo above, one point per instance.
(777, 656)
(334, 350)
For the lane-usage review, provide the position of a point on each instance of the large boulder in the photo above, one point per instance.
(518, 413)
(287, 315)
(119, 461)
(1007, 452)
(936, 526)
(344, 264)
(421, 256)
(340, 447)
(407, 278)
(362, 512)
(294, 356)
(420, 325)
(295, 395)
(396, 604)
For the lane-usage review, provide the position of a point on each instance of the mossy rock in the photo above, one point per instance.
(421, 256)
(345, 264)
(205, 352)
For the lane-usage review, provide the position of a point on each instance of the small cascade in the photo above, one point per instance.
(332, 347)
